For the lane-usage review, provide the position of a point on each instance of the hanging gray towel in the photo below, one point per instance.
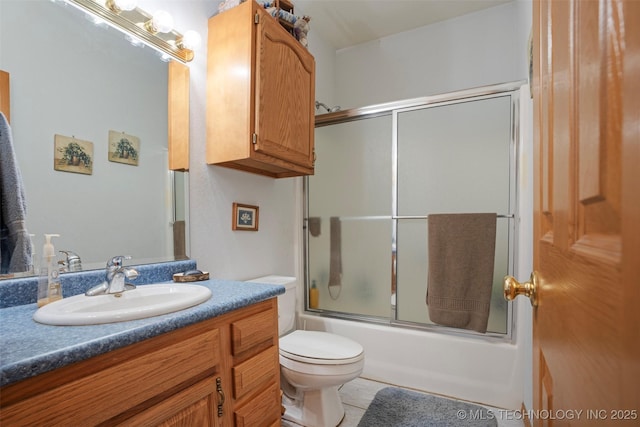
(335, 248)
(15, 245)
(461, 256)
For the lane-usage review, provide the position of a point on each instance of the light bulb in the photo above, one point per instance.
(126, 4)
(191, 40)
(162, 21)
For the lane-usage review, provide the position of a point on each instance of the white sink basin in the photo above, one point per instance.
(144, 301)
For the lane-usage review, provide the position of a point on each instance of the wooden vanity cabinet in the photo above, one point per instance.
(260, 95)
(217, 373)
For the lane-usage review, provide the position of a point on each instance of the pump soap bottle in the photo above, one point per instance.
(49, 289)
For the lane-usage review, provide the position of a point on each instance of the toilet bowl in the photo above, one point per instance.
(316, 364)
(313, 365)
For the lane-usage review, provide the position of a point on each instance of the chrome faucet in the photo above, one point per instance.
(72, 262)
(115, 274)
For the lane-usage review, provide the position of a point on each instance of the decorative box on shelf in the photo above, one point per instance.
(282, 11)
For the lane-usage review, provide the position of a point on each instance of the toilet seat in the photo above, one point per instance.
(320, 348)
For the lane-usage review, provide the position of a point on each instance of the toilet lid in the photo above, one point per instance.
(319, 347)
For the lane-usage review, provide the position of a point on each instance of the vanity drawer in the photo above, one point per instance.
(263, 410)
(252, 331)
(256, 372)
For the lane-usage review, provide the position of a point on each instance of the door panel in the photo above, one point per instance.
(587, 247)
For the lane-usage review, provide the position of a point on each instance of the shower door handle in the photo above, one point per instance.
(513, 288)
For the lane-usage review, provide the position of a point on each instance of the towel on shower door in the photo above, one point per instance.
(461, 256)
(335, 249)
(15, 244)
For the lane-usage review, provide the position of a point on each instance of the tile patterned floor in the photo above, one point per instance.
(357, 394)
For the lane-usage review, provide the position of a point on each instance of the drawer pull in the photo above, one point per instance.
(220, 395)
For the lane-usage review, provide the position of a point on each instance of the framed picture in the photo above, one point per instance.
(124, 148)
(72, 155)
(245, 217)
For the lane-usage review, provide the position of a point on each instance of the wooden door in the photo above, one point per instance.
(285, 95)
(587, 212)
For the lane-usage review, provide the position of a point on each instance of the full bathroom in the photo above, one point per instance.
(73, 79)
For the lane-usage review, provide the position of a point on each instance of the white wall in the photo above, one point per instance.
(477, 49)
(325, 56)
(225, 253)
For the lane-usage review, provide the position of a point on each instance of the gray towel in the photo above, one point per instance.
(461, 257)
(335, 248)
(15, 245)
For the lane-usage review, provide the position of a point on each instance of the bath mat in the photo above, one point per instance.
(395, 407)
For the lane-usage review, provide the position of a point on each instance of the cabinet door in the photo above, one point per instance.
(285, 91)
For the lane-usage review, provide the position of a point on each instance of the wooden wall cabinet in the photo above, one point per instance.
(260, 95)
(217, 373)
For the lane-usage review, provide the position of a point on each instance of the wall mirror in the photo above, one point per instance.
(73, 78)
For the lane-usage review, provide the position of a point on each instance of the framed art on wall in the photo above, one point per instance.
(245, 217)
(124, 148)
(72, 155)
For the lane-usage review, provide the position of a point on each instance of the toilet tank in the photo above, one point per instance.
(286, 301)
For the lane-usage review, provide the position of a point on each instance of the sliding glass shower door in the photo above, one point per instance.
(349, 217)
(451, 158)
(378, 179)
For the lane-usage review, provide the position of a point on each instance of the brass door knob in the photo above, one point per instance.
(513, 288)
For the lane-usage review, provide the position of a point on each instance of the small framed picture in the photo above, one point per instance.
(72, 155)
(124, 148)
(245, 217)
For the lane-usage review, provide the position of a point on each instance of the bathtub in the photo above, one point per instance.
(472, 369)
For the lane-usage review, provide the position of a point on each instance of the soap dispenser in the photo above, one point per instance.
(49, 289)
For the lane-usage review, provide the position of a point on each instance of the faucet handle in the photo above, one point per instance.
(117, 260)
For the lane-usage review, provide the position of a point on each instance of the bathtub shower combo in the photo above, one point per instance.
(381, 171)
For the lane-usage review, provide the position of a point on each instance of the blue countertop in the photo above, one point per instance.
(28, 348)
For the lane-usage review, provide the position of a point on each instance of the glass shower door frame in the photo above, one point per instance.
(509, 216)
(502, 90)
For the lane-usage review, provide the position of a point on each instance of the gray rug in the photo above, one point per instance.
(395, 407)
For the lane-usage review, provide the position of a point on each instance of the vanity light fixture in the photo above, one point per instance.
(153, 30)
(118, 6)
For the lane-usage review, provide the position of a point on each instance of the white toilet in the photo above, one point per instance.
(313, 364)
